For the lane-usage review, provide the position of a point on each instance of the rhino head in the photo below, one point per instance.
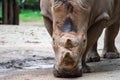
(70, 24)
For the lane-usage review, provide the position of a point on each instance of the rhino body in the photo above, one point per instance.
(75, 26)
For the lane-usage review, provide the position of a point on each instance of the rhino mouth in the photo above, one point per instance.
(73, 73)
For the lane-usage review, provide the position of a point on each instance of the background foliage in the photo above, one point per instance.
(29, 10)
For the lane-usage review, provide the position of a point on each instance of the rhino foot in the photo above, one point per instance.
(86, 69)
(92, 56)
(111, 55)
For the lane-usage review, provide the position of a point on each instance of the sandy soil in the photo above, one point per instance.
(32, 23)
(26, 54)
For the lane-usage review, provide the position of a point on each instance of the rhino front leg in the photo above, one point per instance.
(92, 36)
(110, 51)
(48, 25)
(92, 55)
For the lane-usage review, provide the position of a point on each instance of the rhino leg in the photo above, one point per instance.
(94, 33)
(92, 55)
(110, 51)
(48, 25)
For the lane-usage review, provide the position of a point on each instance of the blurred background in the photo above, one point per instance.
(22, 12)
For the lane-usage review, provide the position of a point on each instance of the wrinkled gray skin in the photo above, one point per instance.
(75, 26)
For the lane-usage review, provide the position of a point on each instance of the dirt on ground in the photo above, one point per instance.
(26, 54)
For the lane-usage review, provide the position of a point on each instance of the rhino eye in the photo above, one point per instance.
(84, 41)
(53, 39)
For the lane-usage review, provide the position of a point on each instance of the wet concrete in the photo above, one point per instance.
(103, 70)
(28, 63)
(26, 54)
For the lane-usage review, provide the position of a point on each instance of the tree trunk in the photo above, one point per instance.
(10, 12)
(16, 13)
(4, 11)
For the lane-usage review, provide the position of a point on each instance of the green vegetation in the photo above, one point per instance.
(29, 4)
(28, 1)
(31, 1)
(0, 13)
(29, 15)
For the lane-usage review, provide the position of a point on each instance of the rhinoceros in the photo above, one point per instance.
(75, 26)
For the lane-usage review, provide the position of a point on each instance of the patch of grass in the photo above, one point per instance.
(30, 15)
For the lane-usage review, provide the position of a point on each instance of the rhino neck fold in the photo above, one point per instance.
(101, 10)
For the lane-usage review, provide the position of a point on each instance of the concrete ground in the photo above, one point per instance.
(26, 54)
